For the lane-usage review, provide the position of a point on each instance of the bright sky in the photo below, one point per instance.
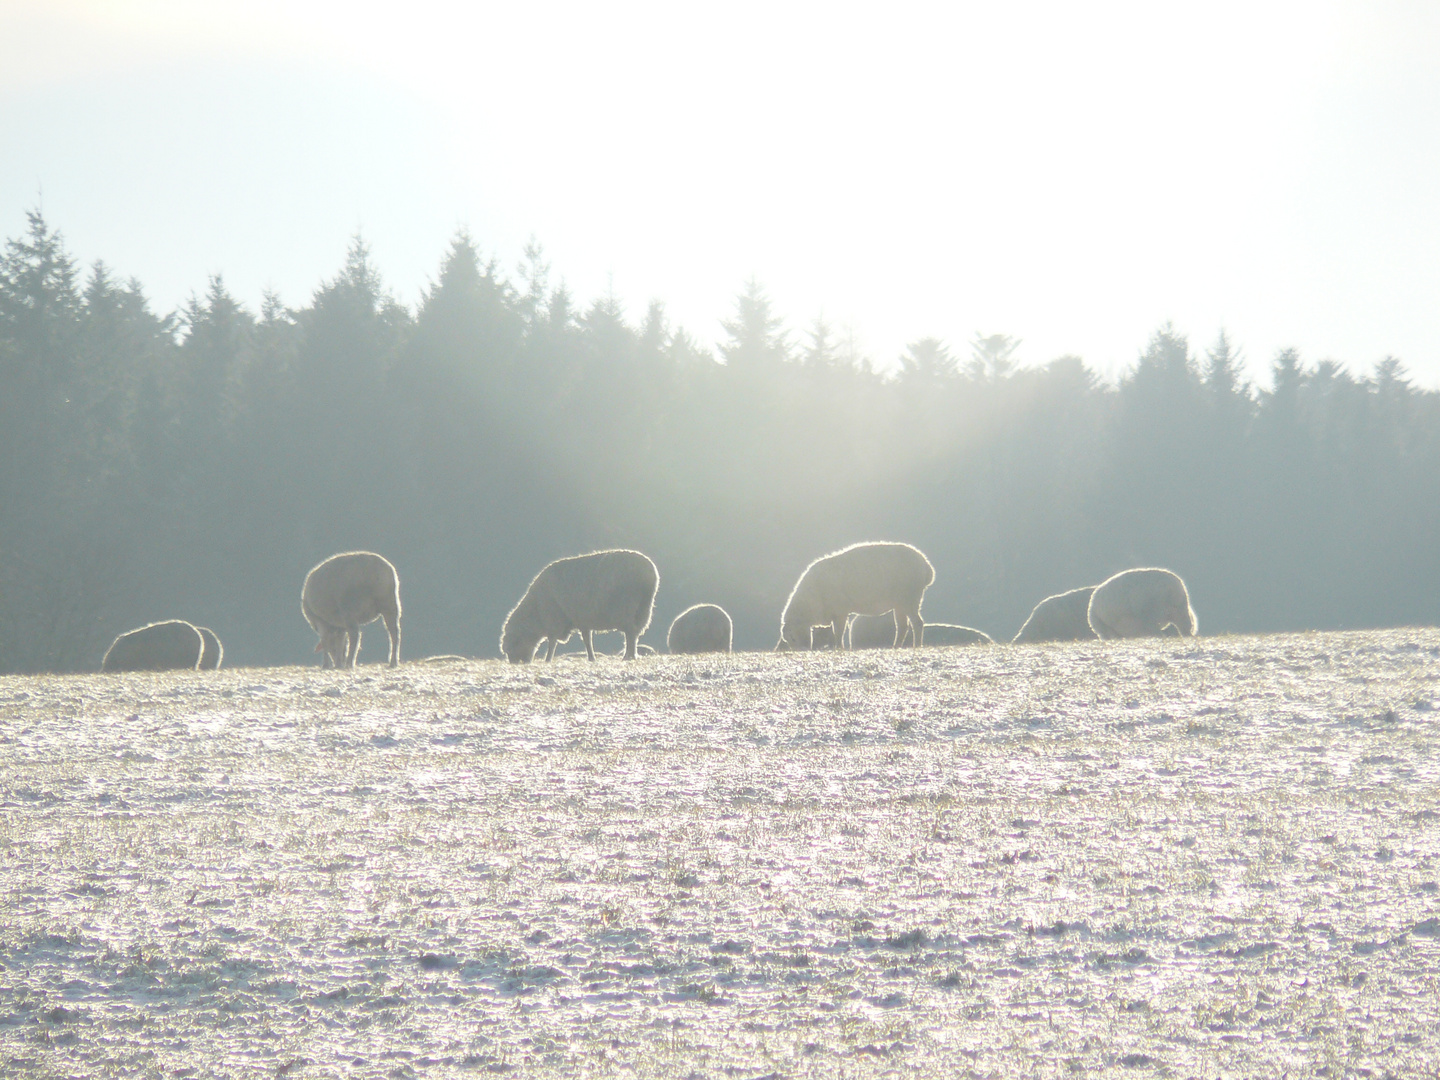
(1070, 174)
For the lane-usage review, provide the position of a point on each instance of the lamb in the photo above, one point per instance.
(1062, 617)
(1141, 603)
(172, 645)
(214, 651)
(604, 590)
(342, 594)
(863, 579)
(703, 628)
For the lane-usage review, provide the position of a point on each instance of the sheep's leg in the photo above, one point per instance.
(352, 644)
(588, 636)
(631, 643)
(549, 648)
(917, 627)
(838, 627)
(392, 629)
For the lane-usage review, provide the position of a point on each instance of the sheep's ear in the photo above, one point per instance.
(319, 646)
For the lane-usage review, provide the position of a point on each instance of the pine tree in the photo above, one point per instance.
(928, 360)
(755, 335)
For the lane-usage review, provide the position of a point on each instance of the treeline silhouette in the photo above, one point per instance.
(196, 465)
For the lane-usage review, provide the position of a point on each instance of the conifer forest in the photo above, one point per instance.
(196, 464)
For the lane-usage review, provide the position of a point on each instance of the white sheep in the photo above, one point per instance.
(1062, 617)
(345, 592)
(172, 645)
(863, 579)
(1141, 603)
(604, 590)
(703, 628)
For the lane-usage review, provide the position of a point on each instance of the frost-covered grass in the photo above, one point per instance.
(1206, 858)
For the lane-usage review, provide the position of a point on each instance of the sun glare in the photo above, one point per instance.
(1072, 175)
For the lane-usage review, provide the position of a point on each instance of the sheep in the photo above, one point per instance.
(342, 594)
(173, 645)
(880, 631)
(863, 579)
(703, 628)
(604, 590)
(1141, 603)
(214, 651)
(1062, 617)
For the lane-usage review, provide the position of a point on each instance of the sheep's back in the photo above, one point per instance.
(172, 645)
(605, 590)
(1063, 617)
(1140, 601)
(354, 586)
(701, 628)
(869, 578)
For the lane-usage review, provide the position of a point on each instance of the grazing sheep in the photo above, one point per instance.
(604, 590)
(863, 579)
(214, 651)
(880, 631)
(1141, 603)
(700, 629)
(1063, 617)
(345, 592)
(173, 645)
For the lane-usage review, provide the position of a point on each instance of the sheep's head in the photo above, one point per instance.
(793, 636)
(518, 639)
(333, 644)
(1190, 626)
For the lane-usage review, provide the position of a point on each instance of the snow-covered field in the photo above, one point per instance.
(1182, 858)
